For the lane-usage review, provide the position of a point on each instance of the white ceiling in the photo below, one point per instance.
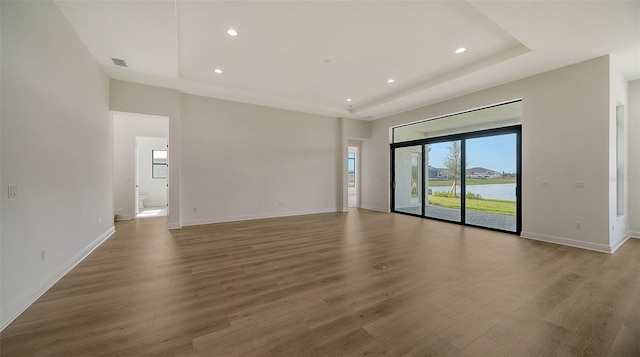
(279, 58)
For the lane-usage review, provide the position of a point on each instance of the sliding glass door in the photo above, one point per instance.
(491, 187)
(443, 182)
(408, 179)
(429, 179)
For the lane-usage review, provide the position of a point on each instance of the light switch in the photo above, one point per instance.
(13, 191)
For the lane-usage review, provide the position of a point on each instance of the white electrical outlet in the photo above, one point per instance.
(579, 184)
(578, 225)
(195, 209)
(43, 254)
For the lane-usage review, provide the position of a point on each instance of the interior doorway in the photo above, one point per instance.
(151, 177)
(135, 138)
(353, 176)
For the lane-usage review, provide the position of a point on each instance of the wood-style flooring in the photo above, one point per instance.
(306, 286)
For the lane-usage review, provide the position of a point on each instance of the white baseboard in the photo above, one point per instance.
(603, 248)
(174, 226)
(374, 208)
(630, 234)
(124, 217)
(197, 222)
(11, 311)
(619, 244)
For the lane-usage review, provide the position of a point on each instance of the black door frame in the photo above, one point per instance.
(462, 137)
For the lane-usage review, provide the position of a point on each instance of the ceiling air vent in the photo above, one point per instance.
(119, 62)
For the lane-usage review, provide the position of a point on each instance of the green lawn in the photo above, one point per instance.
(482, 205)
(474, 181)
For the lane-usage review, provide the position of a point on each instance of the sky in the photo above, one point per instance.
(496, 153)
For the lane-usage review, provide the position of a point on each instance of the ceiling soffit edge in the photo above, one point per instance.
(429, 83)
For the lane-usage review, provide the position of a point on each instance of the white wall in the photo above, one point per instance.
(240, 161)
(618, 95)
(565, 136)
(126, 127)
(52, 90)
(633, 142)
(2, 185)
(154, 189)
(233, 145)
(143, 99)
(356, 129)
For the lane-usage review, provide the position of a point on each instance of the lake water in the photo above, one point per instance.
(503, 191)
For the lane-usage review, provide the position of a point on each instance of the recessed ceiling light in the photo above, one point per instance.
(391, 80)
(348, 99)
(232, 32)
(218, 70)
(460, 50)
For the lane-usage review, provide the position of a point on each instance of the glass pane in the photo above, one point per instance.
(408, 180)
(351, 163)
(488, 118)
(159, 156)
(443, 180)
(491, 182)
(159, 171)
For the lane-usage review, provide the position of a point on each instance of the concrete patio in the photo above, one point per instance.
(490, 220)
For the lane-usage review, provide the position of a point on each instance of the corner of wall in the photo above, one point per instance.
(633, 150)
(618, 173)
(40, 48)
(10, 312)
(2, 325)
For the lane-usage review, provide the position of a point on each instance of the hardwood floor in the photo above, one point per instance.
(306, 286)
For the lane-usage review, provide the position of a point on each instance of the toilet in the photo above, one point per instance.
(141, 202)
